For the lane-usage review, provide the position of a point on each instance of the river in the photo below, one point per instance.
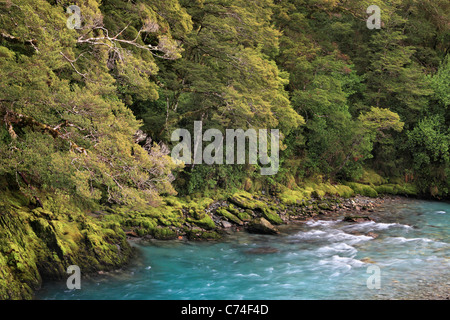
(403, 254)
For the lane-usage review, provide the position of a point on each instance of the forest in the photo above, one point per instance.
(345, 98)
(89, 100)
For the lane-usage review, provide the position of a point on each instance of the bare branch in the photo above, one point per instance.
(71, 63)
(22, 120)
(111, 42)
(115, 37)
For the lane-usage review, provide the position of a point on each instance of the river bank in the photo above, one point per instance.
(323, 257)
(39, 242)
(209, 219)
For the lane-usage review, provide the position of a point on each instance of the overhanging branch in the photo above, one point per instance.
(22, 120)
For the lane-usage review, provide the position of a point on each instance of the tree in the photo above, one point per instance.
(226, 78)
(430, 143)
(64, 125)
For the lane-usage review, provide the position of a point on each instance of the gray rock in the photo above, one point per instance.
(226, 224)
(262, 226)
(262, 250)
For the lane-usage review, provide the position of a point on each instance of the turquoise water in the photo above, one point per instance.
(320, 259)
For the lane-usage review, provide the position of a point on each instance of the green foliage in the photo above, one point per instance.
(369, 176)
(86, 117)
(397, 189)
(440, 83)
(64, 105)
(430, 141)
(344, 97)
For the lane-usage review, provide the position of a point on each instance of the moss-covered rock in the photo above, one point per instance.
(204, 221)
(362, 189)
(199, 234)
(313, 189)
(406, 189)
(344, 191)
(242, 214)
(247, 201)
(261, 225)
(228, 216)
(37, 244)
(163, 233)
(271, 215)
(293, 197)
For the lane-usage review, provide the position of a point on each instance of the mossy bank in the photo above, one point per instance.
(39, 241)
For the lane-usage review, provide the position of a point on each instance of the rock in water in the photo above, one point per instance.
(262, 250)
(357, 218)
(262, 226)
(373, 235)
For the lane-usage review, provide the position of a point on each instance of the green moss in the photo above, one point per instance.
(293, 197)
(320, 190)
(375, 184)
(142, 231)
(197, 234)
(164, 221)
(245, 200)
(370, 177)
(271, 216)
(324, 206)
(386, 189)
(362, 189)
(164, 233)
(173, 201)
(204, 203)
(244, 216)
(344, 191)
(318, 193)
(40, 243)
(400, 189)
(205, 221)
(231, 208)
(317, 189)
(228, 215)
(408, 189)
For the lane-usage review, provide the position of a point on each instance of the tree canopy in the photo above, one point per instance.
(89, 111)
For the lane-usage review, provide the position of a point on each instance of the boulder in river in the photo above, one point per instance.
(262, 226)
(262, 250)
(373, 235)
(357, 218)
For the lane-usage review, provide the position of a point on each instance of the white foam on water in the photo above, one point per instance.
(293, 271)
(403, 240)
(247, 275)
(440, 212)
(347, 261)
(330, 235)
(399, 240)
(372, 226)
(341, 236)
(337, 248)
(321, 223)
(253, 275)
(309, 235)
(342, 263)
